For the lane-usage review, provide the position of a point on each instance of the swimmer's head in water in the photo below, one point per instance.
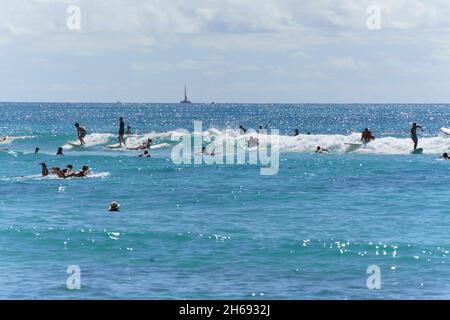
(115, 206)
(445, 155)
(145, 152)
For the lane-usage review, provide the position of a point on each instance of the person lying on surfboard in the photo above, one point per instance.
(414, 134)
(144, 146)
(367, 136)
(81, 132)
(321, 150)
(66, 173)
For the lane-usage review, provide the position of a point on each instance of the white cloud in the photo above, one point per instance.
(318, 42)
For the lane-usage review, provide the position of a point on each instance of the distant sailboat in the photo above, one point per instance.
(185, 96)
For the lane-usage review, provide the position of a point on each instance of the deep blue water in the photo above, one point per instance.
(225, 231)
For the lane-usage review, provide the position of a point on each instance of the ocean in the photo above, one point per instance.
(225, 231)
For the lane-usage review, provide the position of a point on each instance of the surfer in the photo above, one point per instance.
(121, 132)
(82, 173)
(242, 129)
(367, 136)
(36, 151)
(60, 152)
(414, 134)
(445, 156)
(146, 154)
(66, 173)
(145, 145)
(76, 174)
(321, 150)
(81, 133)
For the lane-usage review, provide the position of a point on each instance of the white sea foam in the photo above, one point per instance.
(9, 139)
(302, 143)
(334, 143)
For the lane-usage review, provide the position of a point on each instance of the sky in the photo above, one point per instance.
(243, 51)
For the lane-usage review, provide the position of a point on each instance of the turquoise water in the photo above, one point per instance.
(225, 231)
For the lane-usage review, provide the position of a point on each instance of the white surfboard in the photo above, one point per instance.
(353, 146)
(74, 145)
(446, 131)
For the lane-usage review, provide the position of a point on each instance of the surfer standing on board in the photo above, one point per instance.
(121, 132)
(81, 133)
(414, 134)
(367, 136)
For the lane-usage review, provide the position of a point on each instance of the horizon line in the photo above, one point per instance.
(222, 103)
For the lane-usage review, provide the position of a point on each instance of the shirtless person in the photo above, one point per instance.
(321, 150)
(81, 133)
(414, 134)
(367, 136)
(121, 132)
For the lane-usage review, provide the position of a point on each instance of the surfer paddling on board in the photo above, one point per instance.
(414, 134)
(66, 173)
(321, 150)
(367, 136)
(445, 156)
(81, 132)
